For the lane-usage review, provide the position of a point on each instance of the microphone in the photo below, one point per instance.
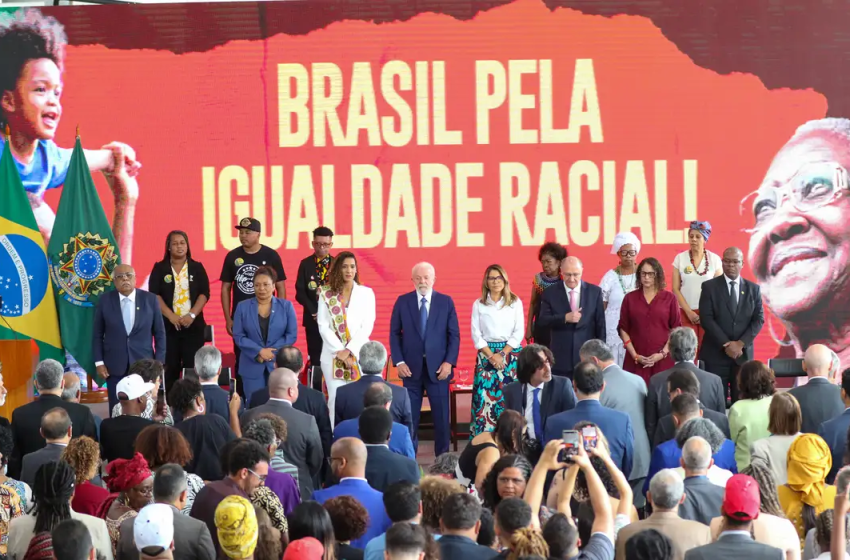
(15, 334)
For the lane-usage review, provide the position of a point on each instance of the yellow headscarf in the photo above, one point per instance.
(236, 524)
(809, 461)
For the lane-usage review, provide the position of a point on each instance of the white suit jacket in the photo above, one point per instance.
(360, 315)
(21, 533)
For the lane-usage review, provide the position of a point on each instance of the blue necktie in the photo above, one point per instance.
(125, 313)
(535, 415)
(423, 316)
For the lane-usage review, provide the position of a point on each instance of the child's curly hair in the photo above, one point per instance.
(28, 35)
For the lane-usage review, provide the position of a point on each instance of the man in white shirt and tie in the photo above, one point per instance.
(127, 327)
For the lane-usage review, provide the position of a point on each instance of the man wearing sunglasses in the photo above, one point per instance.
(127, 327)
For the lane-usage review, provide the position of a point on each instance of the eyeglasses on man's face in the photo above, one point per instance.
(125, 276)
(262, 477)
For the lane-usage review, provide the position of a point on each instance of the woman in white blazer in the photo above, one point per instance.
(346, 317)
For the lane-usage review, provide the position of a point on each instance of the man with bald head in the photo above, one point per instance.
(424, 345)
(731, 315)
(348, 463)
(303, 445)
(127, 327)
(573, 311)
(56, 431)
(820, 400)
(702, 497)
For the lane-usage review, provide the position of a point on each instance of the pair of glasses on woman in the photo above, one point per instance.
(814, 185)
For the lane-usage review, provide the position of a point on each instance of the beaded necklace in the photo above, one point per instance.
(620, 279)
(704, 260)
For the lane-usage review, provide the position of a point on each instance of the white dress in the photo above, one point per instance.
(613, 294)
(360, 316)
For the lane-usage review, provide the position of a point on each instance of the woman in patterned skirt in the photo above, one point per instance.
(498, 324)
(550, 255)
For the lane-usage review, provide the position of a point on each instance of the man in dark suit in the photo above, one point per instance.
(383, 467)
(303, 445)
(379, 394)
(26, 419)
(731, 314)
(683, 381)
(834, 432)
(126, 321)
(537, 394)
(192, 540)
(349, 398)
(460, 523)
(575, 314)
(739, 508)
(820, 400)
(56, 431)
(312, 274)
(424, 345)
(683, 349)
(702, 497)
(589, 382)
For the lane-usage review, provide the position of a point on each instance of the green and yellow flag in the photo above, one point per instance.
(82, 254)
(28, 309)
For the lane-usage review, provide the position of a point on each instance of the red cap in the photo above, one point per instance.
(307, 548)
(742, 499)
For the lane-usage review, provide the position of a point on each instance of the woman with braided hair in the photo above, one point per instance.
(528, 542)
(131, 483)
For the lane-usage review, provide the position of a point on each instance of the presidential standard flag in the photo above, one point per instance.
(28, 310)
(83, 255)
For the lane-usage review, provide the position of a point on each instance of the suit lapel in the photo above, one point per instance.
(255, 319)
(137, 321)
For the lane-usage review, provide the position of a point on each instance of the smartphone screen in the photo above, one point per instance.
(571, 441)
(232, 390)
(590, 437)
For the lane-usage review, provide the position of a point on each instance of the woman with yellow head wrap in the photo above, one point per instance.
(806, 493)
(236, 524)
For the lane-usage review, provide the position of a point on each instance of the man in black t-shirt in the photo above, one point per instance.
(312, 274)
(240, 264)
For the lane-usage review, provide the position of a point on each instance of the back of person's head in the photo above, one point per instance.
(72, 387)
(354, 452)
(595, 348)
(377, 394)
(487, 529)
(785, 416)
(756, 380)
(373, 358)
(435, 490)
(169, 483)
(208, 363)
(52, 491)
(761, 472)
(649, 545)
(560, 535)
(588, 379)
(683, 380)
(683, 344)
(823, 529)
(528, 542)
(282, 381)
(236, 527)
(310, 519)
(512, 514)
(817, 360)
(184, 393)
(245, 455)
(445, 465)
(289, 357)
(703, 428)
(148, 369)
(508, 432)
(268, 537)
(685, 407)
(72, 541)
(48, 375)
(261, 431)
(83, 454)
(160, 444)
(407, 541)
(348, 517)
(55, 424)
(845, 383)
(696, 454)
(461, 512)
(666, 489)
(402, 501)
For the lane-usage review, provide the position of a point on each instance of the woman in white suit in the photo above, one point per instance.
(346, 317)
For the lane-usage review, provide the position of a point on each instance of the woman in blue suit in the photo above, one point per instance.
(260, 326)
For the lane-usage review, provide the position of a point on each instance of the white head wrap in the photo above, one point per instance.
(625, 238)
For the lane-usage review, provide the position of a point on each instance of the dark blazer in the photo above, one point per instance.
(26, 423)
(199, 285)
(283, 330)
(453, 547)
(383, 467)
(218, 401)
(309, 299)
(557, 396)
(834, 433)
(113, 346)
(303, 445)
(310, 401)
(442, 335)
(703, 500)
(735, 547)
(666, 429)
(615, 425)
(819, 401)
(192, 540)
(711, 395)
(32, 461)
(349, 401)
(723, 324)
(567, 338)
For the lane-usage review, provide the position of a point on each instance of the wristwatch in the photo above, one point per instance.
(192, 315)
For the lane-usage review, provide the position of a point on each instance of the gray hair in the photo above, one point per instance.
(445, 464)
(261, 431)
(423, 263)
(683, 344)
(702, 428)
(69, 393)
(208, 363)
(696, 454)
(667, 488)
(48, 374)
(596, 348)
(373, 357)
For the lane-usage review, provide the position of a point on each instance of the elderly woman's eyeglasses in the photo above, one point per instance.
(628, 253)
(813, 186)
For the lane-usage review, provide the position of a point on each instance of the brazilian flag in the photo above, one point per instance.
(83, 256)
(28, 310)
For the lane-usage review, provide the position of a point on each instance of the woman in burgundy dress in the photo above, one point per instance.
(647, 316)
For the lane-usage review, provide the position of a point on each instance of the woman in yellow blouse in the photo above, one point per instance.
(749, 417)
(806, 493)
